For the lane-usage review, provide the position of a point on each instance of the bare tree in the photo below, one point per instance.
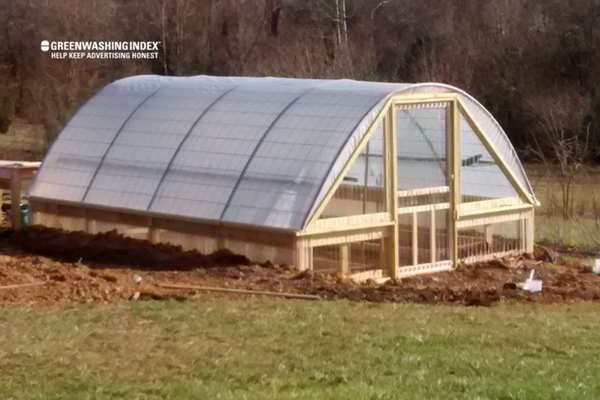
(563, 142)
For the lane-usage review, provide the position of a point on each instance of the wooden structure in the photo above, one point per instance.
(15, 177)
(424, 179)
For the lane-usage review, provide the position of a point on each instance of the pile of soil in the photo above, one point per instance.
(76, 267)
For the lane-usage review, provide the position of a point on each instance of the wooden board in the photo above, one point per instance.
(258, 246)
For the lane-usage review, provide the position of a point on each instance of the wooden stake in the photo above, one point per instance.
(22, 285)
(345, 259)
(240, 291)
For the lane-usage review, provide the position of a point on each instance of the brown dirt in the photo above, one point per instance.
(82, 268)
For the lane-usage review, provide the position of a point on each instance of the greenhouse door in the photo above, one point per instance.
(423, 221)
(423, 189)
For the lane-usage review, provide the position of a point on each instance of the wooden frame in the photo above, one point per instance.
(423, 208)
(524, 193)
(353, 236)
(424, 191)
(413, 270)
(16, 176)
(388, 117)
(387, 110)
(489, 257)
(152, 214)
(257, 245)
(495, 219)
(343, 224)
(460, 214)
(391, 178)
(453, 178)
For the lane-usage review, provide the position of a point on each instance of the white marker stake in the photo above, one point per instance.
(532, 285)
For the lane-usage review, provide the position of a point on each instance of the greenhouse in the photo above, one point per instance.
(370, 179)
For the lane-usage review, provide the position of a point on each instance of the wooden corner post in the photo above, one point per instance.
(303, 254)
(15, 196)
(453, 175)
(391, 189)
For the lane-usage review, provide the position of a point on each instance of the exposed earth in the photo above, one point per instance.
(76, 267)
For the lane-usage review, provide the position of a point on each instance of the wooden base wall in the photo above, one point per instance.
(258, 246)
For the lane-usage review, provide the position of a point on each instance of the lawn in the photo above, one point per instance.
(273, 349)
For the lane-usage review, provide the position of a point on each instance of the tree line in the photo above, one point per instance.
(532, 63)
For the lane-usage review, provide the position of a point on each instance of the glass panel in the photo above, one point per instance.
(421, 144)
(326, 259)
(137, 160)
(427, 252)
(491, 239)
(362, 190)
(405, 240)
(366, 256)
(74, 158)
(498, 138)
(442, 241)
(481, 177)
(285, 175)
(362, 257)
(205, 172)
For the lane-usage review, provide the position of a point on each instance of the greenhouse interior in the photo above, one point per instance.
(371, 180)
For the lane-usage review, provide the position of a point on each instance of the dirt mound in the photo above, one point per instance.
(76, 267)
(111, 249)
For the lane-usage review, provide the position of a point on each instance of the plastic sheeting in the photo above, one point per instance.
(255, 151)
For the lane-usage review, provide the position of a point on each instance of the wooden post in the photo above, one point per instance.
(91, 226)
(391, 189)
(88, 221)
(488, 232)
(415, 238)
(450, 218)
(530, 232)
(15, 198)
(303, 254)
(432, 243)
(221, 239)
(522, 235)
(34, 213)
(152, 231)
(453, 175)
(345, 259)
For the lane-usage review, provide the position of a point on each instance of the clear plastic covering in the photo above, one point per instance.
(421, 147)
(255, 151)
(481, 177)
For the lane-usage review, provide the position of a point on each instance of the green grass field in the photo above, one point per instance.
(218, 348)
(274, 349)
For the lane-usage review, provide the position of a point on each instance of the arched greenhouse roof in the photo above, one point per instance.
(253, 151)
